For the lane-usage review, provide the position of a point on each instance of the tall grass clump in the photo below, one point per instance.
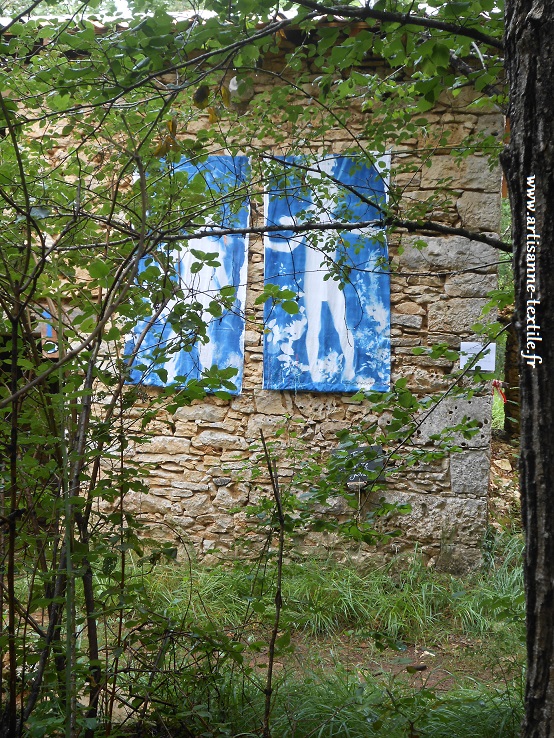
(215, 625)
(352, 705)
(398, 601)
(402, 600)
(497, 412)
(494, 599)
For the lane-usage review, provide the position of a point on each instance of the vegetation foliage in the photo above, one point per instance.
(89, 121)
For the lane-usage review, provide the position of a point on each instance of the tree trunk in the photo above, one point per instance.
(529, 165)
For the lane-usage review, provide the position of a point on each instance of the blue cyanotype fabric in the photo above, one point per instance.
(161, 358)
(339, 340)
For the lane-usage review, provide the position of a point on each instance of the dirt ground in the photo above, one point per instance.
(504, 507)
(455, 661)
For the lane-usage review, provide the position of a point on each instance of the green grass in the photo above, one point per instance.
(497, 412)
(401, 600)
(358, 708)
(346, 705)
(212, 681)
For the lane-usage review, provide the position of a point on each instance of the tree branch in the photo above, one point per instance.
(462, 67)
(426, 227)
(404, 19)
(429, 227)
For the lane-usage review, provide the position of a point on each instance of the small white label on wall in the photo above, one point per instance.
(487, 356)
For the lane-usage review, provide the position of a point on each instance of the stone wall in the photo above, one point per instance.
(201, 459)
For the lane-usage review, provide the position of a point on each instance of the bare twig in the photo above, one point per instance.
(272, 469)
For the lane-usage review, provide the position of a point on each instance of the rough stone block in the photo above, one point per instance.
(469, 473)
(317, 407)
(211, 461)
(222, 481)
(490, 125)
(408, 308)
(179, 521)
(271, 402)
(206, 519)
(456, 315)
(153, 504)
(229, 425)
(204, 412)
(408, 321)
(243, 404)
(157, 486)
(450, 412)
(177, 494)
(472, 173)
(185, 429)
(451, 520)
(335, 506)
(458, 104)
(447, 254)
(251, 338)
(329, 429)
(226, 500)
(479, 211)
(222, 523)
(232, 456)
(268, 423)
(198, 504)
(423, 380)
(156, 460)
(172, 466)
(458, 559)
(455, 134)
(162, 445)
(469, 285)
(190, 487)
(217, 439)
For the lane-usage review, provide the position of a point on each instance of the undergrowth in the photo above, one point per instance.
(405, 600)
(355, 706)
(218, 620)
(497, 412)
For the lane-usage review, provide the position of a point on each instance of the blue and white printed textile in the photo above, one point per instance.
(339, 340)
(225, 178)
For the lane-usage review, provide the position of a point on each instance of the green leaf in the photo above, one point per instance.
(142, 65)
(283, 641)
(290, 307)
(162, 374)
(99, 269)
(407, 400)
(441, 55)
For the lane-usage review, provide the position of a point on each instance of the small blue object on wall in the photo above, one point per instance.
(165, 355)
(339, 338)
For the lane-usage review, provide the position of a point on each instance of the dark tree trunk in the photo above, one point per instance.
(530, 153)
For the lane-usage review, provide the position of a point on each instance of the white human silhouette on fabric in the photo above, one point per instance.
(317, 290)
(186, 356)
(203, 287)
